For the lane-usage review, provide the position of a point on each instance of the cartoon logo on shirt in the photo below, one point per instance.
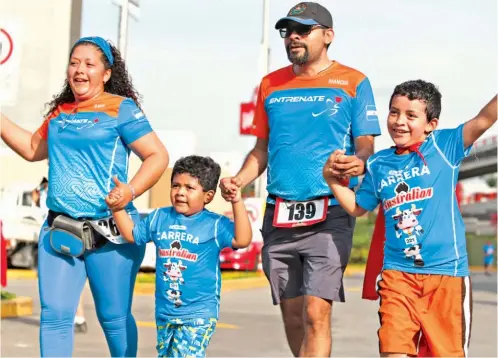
(174, 296)
(408, 225)
(406, 195)
(414, 251)
(174, 271)
(407, 221)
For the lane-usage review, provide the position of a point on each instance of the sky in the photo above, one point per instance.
(195, 61)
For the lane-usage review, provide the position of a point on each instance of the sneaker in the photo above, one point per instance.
(80, 327)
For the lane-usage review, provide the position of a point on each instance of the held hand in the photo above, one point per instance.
(113, 196)
(230, 188)
(120, 196)
(349, 166)
(330, 173)
(235, 197)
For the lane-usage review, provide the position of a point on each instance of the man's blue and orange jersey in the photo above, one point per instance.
(305, 119)
(88, 145)
(188, 277)
(425, 232)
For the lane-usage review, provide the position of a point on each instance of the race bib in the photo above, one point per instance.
(107, 228)
(300, 213)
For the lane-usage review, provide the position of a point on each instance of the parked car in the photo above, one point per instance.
(248, 259)
(22, 221)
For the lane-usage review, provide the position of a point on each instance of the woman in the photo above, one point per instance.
(88, 133)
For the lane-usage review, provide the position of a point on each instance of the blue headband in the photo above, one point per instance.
(100, 43)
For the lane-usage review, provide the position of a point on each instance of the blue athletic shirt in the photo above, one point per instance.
(188, 276)
(425, 232)
(305, 119)
(88, 145)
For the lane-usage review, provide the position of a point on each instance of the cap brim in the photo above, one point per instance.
(281, 23)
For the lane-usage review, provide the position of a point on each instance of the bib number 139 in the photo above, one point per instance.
(299, 213)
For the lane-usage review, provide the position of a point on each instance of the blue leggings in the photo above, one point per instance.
(111, 272)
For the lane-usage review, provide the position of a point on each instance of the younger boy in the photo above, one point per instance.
(189, 239)
(425, 291)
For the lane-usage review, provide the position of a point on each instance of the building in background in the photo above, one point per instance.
(34, 35)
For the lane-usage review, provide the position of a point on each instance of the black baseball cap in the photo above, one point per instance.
(307, 13)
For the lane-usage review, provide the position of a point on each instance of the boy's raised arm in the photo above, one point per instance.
(476, 127)
(125, 225)
(243, 229)
(123, 221)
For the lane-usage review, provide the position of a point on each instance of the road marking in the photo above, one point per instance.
(218, 325)
(353, 289)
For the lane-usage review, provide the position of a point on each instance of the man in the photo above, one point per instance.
(304, 112)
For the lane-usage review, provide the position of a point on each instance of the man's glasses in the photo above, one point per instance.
(301, 30)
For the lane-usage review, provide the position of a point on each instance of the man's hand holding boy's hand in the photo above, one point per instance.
(331, 172)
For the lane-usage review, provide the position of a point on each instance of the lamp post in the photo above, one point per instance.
(260, 184)
(127, 7)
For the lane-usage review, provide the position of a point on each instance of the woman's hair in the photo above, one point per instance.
(119, 84)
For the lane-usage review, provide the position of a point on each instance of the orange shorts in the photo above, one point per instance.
(424, 315)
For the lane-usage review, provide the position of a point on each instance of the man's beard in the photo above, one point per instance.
(294, 58)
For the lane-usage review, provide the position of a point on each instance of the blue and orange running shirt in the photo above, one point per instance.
(305, 119)
(88, 145)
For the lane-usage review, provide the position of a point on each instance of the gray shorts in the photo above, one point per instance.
(307, 260)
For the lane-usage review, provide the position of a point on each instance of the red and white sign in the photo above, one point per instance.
(247, 114)
(10, 60)
(246, 117)
(6, 46)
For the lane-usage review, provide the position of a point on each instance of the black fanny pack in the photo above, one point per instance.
(72, 237)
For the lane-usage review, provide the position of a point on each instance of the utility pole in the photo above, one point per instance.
(260, 183)
(127, 7)
(123, 27)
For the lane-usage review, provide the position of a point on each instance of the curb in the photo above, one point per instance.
(354, 270)
(18, 274)
(16, 307)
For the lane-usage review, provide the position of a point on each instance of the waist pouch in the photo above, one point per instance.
(72, 237)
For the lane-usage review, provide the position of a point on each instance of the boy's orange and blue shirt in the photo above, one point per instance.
(88, 145)
(305, 119)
